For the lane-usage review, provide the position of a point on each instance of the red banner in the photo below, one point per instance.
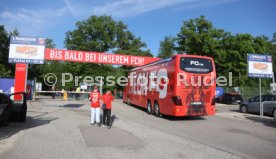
(95, 57)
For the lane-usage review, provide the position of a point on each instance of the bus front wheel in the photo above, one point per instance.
(156, 110)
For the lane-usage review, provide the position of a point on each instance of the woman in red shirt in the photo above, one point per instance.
(107, 100)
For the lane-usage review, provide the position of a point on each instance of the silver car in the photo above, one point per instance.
(253, 105)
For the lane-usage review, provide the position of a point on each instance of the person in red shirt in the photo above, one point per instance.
(107, 100)
(95, 106)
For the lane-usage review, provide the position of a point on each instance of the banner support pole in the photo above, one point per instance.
(260, 84)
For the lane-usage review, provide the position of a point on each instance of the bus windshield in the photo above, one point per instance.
(196, 65)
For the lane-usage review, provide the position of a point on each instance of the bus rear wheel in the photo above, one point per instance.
(156, 110)
(149, 109)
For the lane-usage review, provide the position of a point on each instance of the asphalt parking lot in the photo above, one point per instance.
(61, 129)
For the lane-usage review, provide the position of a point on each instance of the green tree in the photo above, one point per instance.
(167, 47)
(7, 69)
(272, 51)
(102, 34)
(50, 43)
(273, 38)
(198, 36)
(4, 52)
(236, 49)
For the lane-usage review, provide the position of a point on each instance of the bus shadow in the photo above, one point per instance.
(187, 118)
(171, 118)
(137, 107)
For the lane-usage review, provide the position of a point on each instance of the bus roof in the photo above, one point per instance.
(169, 59)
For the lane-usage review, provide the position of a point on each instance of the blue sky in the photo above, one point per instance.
(151, 20)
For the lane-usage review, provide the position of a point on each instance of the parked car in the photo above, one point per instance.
(253, 105)
(5, 108)
(230, 98)
(13, 107)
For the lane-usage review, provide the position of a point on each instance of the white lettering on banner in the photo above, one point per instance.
(73, 55)
(155, 80)
(111, 58)
(137, 60)
(55, 54)
(90, 57)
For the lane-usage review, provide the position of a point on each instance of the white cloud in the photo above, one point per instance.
(37, 21)
(31, 22)
(69, 6)
(127, 8)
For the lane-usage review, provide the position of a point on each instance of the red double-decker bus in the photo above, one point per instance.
(182, 85)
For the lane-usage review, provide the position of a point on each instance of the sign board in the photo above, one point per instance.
(259, 66)
(83, 86)
(219, 91)
(95, 57)
(38, 87)
(26, 50)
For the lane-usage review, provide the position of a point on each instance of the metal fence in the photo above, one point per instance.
(247, 92)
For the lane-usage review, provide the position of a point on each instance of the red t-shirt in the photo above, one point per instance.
(107, 99)
(95, 99)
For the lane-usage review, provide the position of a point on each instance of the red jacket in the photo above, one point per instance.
(95, 99)
(107, 99)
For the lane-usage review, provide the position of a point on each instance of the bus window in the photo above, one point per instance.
(196, 65)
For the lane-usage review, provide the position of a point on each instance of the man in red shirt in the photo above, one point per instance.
(95, 106)
(107, 99)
